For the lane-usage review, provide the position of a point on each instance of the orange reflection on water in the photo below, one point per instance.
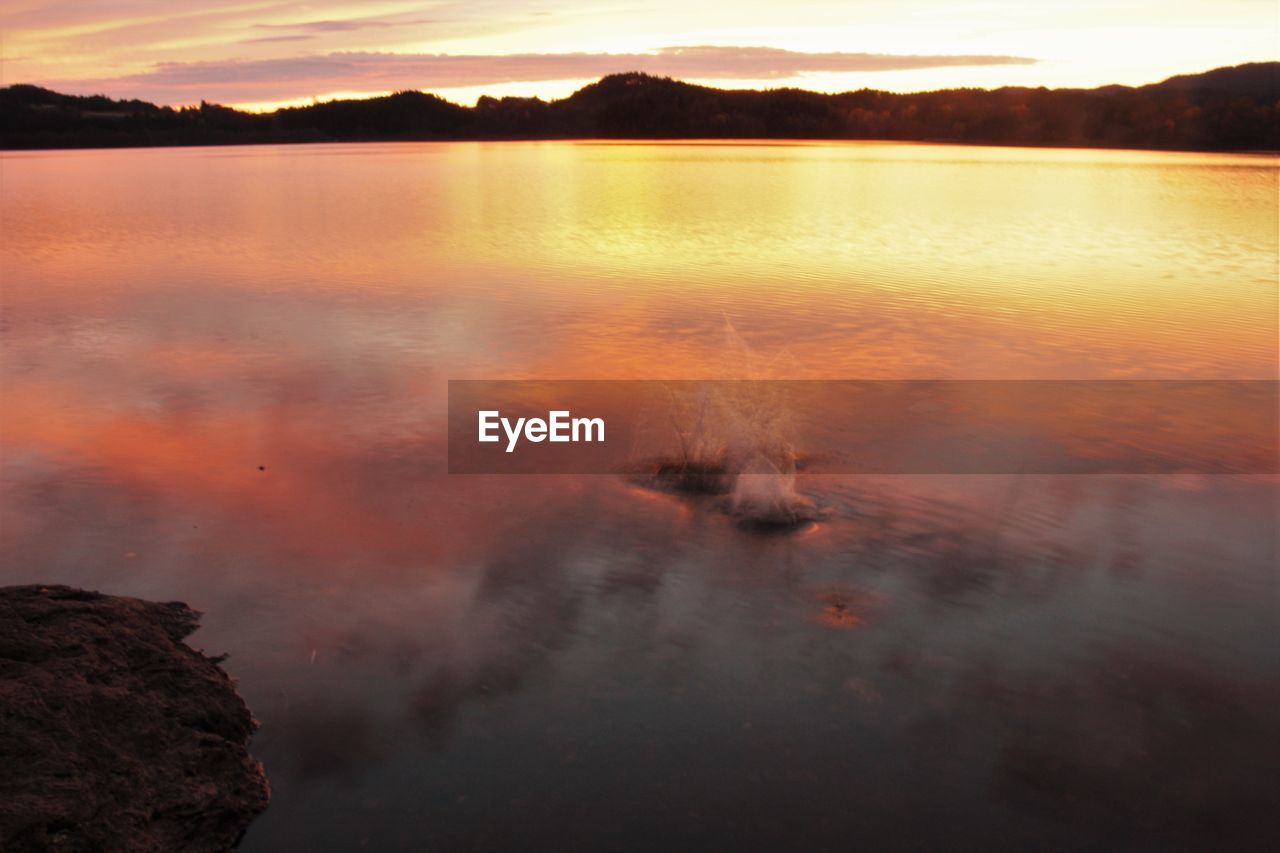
(612, 260)
(175, 318)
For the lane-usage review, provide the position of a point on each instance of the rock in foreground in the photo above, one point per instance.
(114, 734)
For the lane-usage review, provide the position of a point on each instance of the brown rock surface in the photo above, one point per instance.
(114, 734)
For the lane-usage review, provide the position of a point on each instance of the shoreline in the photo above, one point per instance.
(744, 141)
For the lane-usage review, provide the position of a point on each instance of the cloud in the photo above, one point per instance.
(268, 39)
(343, 26)
(241, 81)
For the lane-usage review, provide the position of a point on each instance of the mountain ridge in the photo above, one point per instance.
(1234, 108)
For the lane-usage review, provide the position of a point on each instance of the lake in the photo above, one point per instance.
(224, 381)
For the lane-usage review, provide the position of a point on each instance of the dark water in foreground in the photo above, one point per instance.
(575, 662)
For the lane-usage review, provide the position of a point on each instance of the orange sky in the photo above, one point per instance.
(261, 53)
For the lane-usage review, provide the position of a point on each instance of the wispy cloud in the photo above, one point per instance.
(345, 25)
(272, 39)
(240, 81)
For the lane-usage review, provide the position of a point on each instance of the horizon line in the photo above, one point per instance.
(316, 100)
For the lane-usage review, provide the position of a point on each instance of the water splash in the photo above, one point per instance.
(733, 438)
(764, 496)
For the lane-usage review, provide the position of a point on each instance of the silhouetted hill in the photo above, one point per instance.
(1261, 79)
(1235, 108)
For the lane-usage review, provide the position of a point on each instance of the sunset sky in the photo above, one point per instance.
(263, 53)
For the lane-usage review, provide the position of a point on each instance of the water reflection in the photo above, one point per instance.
(224, 382)
(729, 639)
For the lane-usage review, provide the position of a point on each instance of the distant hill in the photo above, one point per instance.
(1227, 109)
(1255, 79)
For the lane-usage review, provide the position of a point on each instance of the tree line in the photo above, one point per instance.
(1236, 108)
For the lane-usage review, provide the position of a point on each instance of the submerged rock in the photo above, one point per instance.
(114, 734)
(775, 517)
(689, 478)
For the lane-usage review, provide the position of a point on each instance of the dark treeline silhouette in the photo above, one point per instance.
(1235, 108)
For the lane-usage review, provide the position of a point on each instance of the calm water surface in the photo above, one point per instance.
(565, 663)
